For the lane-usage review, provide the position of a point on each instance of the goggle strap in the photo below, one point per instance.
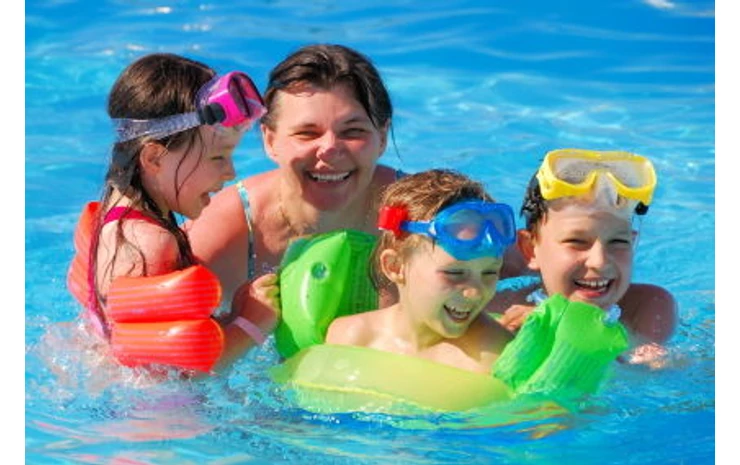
(415, 227)
(390, 219)
(128, 129)
(641, 209)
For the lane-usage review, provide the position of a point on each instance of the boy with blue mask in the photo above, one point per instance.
(441, 249)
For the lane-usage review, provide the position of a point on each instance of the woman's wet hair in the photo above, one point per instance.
(154, 86)
(325, 66)
(423, 195)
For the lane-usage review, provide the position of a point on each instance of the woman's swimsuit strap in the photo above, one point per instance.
(252, 257)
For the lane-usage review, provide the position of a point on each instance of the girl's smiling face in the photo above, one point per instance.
(188, 176)
(583, 253)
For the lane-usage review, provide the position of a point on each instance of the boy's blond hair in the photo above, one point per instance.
(423, 195)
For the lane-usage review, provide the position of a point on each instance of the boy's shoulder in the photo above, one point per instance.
(488, 334)
(357, 329)
(649, 311)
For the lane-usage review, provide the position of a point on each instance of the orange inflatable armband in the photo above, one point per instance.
(164, 320)
(77, 278)
(188, 344)
(189, 294)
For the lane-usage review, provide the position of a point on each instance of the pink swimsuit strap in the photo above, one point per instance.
(117, 213)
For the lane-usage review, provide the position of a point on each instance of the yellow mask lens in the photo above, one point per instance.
(574, 172)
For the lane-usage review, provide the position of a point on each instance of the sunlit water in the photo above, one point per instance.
(483, 89)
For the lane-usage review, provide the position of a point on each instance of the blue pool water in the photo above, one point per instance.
(483, 87)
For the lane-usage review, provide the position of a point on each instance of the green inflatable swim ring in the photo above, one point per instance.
(328, 378)
(564, 349)
(322, 277)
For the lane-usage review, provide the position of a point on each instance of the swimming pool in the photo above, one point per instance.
(483, 89)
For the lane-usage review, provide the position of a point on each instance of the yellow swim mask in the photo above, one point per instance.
(574, 172)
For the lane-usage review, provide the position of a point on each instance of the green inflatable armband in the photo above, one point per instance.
(321, 278)
(563, 349)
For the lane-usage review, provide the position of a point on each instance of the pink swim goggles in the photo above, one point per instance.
(229, 101)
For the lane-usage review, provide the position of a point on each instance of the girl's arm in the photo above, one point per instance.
(257, 305)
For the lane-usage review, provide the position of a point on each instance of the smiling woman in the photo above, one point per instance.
(327, 125)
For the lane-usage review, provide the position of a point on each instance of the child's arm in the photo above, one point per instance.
(509, 307)
(257, 304)
(146, 243)
(650, 312)
(513, 317)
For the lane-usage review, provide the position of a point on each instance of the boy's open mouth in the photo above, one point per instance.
(457, 315)
(593, 285)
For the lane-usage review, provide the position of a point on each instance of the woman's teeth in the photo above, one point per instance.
(329, 177)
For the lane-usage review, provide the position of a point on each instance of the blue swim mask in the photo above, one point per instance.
(466, 230)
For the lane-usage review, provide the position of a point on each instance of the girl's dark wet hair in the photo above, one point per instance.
(325, 66)
(154, 86)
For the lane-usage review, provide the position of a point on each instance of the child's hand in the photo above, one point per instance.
(259, 302)
(652, 355)
(514, 316)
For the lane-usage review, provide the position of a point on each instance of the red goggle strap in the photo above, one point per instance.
(390, 219)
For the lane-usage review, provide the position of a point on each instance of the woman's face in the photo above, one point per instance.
(326, 145)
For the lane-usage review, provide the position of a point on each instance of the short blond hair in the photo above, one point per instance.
(423, 195)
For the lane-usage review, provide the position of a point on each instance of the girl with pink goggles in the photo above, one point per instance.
(231, 101)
